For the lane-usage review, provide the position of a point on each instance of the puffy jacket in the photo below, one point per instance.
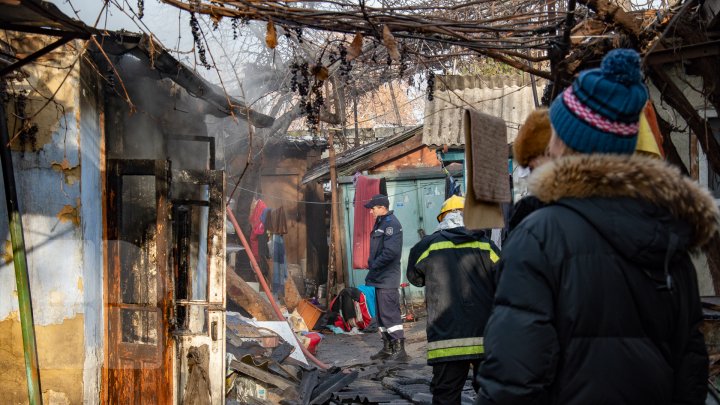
(385, 251)
(454, 266)
(598, 301)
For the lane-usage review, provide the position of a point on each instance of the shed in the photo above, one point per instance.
(415, 179)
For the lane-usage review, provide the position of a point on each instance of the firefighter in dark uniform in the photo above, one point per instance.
(454, 265)
(384, 265)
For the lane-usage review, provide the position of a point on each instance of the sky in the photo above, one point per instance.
(160, 18)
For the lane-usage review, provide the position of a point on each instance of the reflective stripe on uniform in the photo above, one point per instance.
(455, 351)
(449, 245)
(394, 328)
(381, 329)
(461, 342)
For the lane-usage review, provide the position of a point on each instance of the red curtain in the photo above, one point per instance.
(365, 188)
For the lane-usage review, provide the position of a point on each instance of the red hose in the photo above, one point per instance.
(265, 288)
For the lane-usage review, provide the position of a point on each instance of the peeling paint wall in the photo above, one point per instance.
(58, 183)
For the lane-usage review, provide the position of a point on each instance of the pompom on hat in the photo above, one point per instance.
(600, 112)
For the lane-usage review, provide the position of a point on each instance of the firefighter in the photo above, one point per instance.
(384, 265)
(454, 265)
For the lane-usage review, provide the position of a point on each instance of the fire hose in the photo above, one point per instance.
(265, 287)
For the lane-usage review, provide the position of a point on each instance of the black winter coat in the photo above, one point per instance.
(455, 267)
(598, 300)
(385, 251)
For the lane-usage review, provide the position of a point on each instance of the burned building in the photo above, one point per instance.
(122, 193)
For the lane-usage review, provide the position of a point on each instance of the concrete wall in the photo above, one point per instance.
(690, 86)
(58, 184)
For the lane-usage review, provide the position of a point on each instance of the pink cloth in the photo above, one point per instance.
(257, 227)
(365, 188)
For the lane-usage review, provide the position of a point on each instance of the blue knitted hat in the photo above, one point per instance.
(600, 112)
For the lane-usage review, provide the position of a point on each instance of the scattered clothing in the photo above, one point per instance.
(349, 310)
(369, 292)
(279, 266)
(257, 228)
(277, 223)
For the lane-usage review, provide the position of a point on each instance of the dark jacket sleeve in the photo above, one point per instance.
(415, 275)
(521, 343)
(691, 369)
(392, 248)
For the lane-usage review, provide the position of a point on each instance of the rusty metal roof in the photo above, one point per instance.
(507, 97)
(352, 159)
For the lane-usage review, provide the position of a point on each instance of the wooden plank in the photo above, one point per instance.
(261, 375)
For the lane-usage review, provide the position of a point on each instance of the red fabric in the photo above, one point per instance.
(257, 227)
(361, 319)
(315, 338)
(363, 222)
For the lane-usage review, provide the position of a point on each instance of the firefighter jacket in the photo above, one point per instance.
(598, 301)
(455, 266)
(385, 250)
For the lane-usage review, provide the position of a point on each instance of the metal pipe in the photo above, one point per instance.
(20, 261)
(265, 288)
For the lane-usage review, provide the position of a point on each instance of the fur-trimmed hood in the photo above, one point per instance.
(629, 176)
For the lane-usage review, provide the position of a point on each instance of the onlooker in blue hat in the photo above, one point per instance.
(598, 299)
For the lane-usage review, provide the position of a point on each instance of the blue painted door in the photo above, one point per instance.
(416, 204)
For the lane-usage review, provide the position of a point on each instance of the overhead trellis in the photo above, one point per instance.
(505, 31)
(519, 33)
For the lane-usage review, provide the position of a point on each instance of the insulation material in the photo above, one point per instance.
(488, 184)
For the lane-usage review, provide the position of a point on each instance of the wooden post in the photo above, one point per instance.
(398, 119)
(355, 113)
(334, 270)
(694, 158)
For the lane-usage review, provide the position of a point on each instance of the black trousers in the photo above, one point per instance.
(388, 312)
(449, 379)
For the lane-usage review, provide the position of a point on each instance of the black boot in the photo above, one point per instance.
(398, 351)
(385, 352)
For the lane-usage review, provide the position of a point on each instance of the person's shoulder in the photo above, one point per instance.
(391, 220)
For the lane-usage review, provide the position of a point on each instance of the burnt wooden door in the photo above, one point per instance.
(138, 289)
(198, 263)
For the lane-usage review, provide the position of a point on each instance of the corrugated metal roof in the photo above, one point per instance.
(352, 159)
(508, 97)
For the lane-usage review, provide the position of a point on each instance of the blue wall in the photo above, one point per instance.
(416, 203)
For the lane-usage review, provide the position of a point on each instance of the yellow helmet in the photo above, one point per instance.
(453, 203)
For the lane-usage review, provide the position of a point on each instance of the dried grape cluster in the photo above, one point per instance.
(403, 64)
(236, 24)
(340, 55)
(309, 88)
(195, 28)
(430, 85)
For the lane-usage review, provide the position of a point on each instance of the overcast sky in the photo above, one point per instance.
(161, 19)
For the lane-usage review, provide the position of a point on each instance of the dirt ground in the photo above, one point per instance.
(382, 382)
(351, 350)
